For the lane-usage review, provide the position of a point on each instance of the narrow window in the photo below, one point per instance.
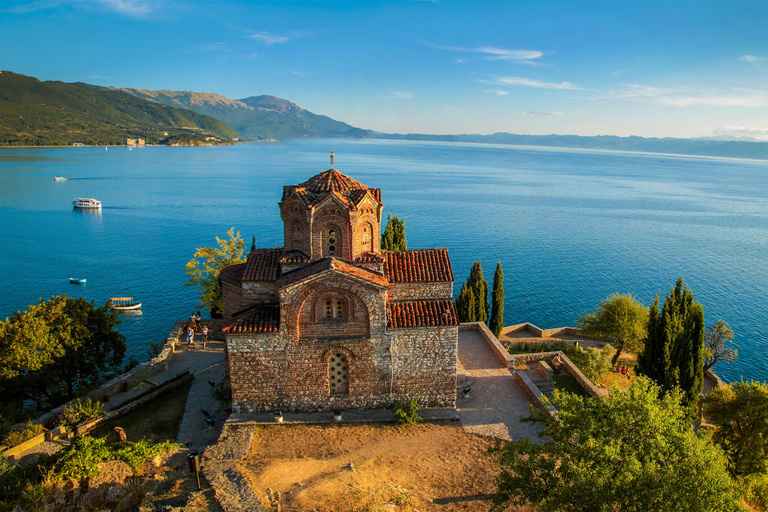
(328, 309)
(338, 374)
(339, 313)
(332, 241)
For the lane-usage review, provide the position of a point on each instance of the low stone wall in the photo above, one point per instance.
(535, 394)
(568, 365)
(553, 333)
(494, 343)
(719, 383)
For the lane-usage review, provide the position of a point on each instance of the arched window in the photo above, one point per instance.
(331, 242)
(366, 238)
(338, 374)
(334, 310)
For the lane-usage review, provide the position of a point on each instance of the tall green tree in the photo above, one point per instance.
(622, 317)
(716, 341)
(479, 286)
(673, 354)
(633, 450)
(739, 412)
(465, 304)
(497, 302)
(393, 238)
(77, 350)
(204, 267)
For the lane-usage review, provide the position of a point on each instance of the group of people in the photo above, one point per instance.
(194, 326)
(622, 369)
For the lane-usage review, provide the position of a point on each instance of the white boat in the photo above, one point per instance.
(85, 202)
(75, 280)
(59, 178)
(124, 303)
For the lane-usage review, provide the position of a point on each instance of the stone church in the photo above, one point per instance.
(330, 321)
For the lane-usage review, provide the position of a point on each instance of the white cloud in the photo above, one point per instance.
(497, 92)
(460, 61)
(300, 73)
(270, 38)
(749, 58)
(493, 53)
(209, 47)
(716, 101)
(130, 7)
(538, 113)
(398, 95)
(684, 97)
(516, 80)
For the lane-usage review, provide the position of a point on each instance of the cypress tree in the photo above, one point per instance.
(479, 286)
(497, 298)
(393, 238)
(674, 351)
(465, 304)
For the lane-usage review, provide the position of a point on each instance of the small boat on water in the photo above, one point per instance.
(86, 203)
(124, 303)
(59, 178)
(74, 280)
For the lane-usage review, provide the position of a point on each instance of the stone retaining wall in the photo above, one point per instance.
(498, 349)
(535, 394)
(568, 365)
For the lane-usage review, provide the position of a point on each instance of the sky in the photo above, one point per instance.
(691, 68)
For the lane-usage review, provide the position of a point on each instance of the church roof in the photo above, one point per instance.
(261, 318)
(263, 265)
(318, 187)
(232, 274)
(426, 265)
(370, 257)
(331, 264)
(423, 313)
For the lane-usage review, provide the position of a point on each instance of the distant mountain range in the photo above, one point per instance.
(34, 112)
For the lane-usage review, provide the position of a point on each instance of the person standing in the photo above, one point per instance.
(198, 318)
(205, 335)
(190, 337)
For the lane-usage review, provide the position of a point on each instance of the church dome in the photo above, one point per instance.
(331, 181)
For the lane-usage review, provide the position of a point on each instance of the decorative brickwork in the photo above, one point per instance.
(331, 322)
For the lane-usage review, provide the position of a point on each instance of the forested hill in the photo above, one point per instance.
(57, 113)
(255, 117)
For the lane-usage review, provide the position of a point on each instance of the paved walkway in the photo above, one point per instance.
(495, 401)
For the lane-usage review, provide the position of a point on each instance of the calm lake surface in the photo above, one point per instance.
(570, 227)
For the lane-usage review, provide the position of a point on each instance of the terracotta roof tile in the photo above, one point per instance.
(294, 257)
(317, 188)
(263, 265)
(426, 265)
(328, 264)
(232, 274)
(423, 313)
(255, 319)
(370, 257)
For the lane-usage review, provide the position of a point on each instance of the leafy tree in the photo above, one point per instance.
(479, 286)
(740, 413)
(673, 355)
(393, 238)
(497, 302)
(632, 451)
(465, 304)
(77, 350)
(622, 317)
(204, 267)
(716, 339)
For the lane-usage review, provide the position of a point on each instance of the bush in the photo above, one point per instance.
(222, 392)
(754, 490)
(542, 346)
(407, 413)
(79, 411)
(16, 437)
(598, 362)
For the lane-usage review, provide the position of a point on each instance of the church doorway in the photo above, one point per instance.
(338, 374)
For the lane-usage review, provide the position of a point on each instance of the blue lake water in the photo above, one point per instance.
(569, 226)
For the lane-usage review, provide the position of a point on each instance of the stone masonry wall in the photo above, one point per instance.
(420, 291)
(233, 298)
(424, 364)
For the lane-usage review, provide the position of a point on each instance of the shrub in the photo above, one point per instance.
(16, 437)
(598, 362)
(222, 392)
(79, 411)
(407, 413)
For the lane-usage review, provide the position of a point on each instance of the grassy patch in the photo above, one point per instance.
(566, 382)
(157, 421)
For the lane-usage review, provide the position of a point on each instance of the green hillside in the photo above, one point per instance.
(256, 117)
(57, 113)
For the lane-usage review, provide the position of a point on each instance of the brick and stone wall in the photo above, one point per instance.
(233, 299)
(420, 291)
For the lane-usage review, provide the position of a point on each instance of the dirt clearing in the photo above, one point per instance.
(362, 467)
